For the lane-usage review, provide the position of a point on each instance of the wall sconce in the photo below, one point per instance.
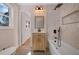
(27, 24)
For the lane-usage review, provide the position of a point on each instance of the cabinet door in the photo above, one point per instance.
(34, 42)
(42, 42)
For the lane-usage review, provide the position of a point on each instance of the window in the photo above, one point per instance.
(4, 15)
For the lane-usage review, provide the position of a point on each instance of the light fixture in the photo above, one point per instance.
(38, 8)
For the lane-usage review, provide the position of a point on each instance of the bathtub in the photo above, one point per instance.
(52, 48)
(8, 51)
(65, 49)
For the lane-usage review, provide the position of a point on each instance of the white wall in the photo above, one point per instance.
(53, 18)
(9, 36)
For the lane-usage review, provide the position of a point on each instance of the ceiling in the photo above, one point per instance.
(24, 4)
(47, 5)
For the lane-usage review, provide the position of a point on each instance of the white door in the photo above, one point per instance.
(25, 28)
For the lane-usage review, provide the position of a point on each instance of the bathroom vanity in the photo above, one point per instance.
(39, 41)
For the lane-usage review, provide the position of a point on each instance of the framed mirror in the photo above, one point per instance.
(39, 22)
